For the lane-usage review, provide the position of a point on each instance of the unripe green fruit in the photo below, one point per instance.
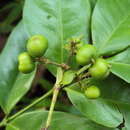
(24, 57)
(26, 65)
(85, 54)
(92, 92)
(37, 45)
(100, 69)
(26, 68)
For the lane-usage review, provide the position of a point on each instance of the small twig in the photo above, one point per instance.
(85, 75)
(54, 99)
(47, 61)
(44, 128)
(32, 104)
(80, 84)
(83, 69)
(56, 90)
(3, 122)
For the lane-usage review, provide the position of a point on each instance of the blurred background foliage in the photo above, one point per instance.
(10, 15)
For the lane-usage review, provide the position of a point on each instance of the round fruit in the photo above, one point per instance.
(85, 54)
(92, 92)
(100, 69)
(24, 57)
(26, 65)
(37, 45)
(26, 68)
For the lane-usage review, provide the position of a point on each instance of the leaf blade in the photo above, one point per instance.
(9, 66)
(61, 22)
(110, 26)
(99, 111)
(61, 121)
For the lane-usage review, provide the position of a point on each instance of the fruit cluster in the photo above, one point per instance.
(36, 47)
(86, 54)
(98, 70)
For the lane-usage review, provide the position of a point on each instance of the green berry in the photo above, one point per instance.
(26, 64)
(92, 92)
(24, 57)
(26, 68)
(37, 46)
(100, 69)
(85, 54)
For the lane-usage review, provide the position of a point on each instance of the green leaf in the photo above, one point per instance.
(12, 84)
(58, 20)
(122, 57)
(99, 110)
(125, 109)
(121, 70)
(14, 14)
(93, 3)
(114, 89)
(68, 77)
(120, 65)
(110, 26)
(4, 28)
(61, 121)
(20, 87)
(7, 6)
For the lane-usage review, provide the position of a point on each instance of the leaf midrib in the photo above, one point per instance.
(60, 28)
(114, 30)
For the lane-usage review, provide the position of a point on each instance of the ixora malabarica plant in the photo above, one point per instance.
(85, 45)
(85, 55)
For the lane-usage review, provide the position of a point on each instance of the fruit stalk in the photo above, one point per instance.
(47, 61)
(32, 104)
(83, 69)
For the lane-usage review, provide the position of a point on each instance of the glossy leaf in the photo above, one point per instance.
(58, 20)
(68, 77)
(122, 57)
(20, 87)
(120, 65)
(110, 25)
(114, 89)
(12, 84)
(93, 3)
(99, 110)
(61, 121)
(121, 70)
(125, 109)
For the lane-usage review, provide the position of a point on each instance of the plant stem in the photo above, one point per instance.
(32, 104)
(3, 122)
(47, 61)
(83, 69)
(85, 75)
(54, 99)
